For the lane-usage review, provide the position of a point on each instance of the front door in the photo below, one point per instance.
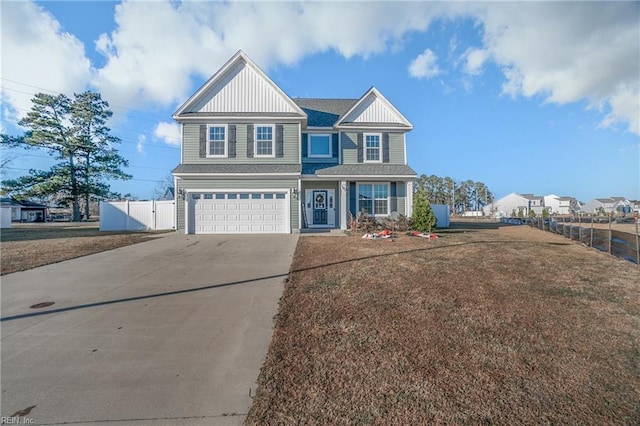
(319, 200)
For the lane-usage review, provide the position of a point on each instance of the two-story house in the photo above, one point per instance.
(255, 160)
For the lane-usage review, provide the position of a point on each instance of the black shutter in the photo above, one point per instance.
(203, 141)
(250, 141)
(385, 147)
(279, 140)
(335, 146)
(231, 142)
(352, 198)
(305, 142)
(360, 149)
(393, 197)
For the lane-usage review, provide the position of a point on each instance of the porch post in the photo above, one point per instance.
(343, 204)
(410, 198)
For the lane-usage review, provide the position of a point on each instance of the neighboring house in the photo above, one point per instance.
(609, 205)
(169, 194)
(559, 205)
(536, 203)
(25, 211)
(514, 202)
(255, 160)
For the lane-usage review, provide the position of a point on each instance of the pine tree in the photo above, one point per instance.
(74, 133)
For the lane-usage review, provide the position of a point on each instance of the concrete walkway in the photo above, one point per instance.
(172, 331)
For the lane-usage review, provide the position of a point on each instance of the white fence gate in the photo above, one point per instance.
(137, 215)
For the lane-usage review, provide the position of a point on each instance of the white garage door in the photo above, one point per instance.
(240, 212)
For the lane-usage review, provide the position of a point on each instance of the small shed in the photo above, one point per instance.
(442, 214)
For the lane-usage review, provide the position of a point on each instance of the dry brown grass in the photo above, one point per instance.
(28, 246)
(508, 325)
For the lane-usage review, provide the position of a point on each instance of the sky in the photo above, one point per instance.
(528, 97)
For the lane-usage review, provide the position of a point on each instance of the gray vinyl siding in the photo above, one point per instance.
(191, 146)
(350, 147)
(213, 184)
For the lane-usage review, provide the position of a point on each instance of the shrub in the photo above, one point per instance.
(423, 219)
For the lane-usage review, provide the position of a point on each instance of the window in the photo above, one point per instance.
(372, 147)
(244, 196)
(220, 196)
(319, 146)
(373, 198)
(217, 143)
(264, 141)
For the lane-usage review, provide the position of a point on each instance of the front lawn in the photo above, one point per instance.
(503, 325)
(28, 246)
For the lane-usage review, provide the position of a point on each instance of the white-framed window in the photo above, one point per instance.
(264, 141)
(319, 146)
(372, 147)
(217, 141)
(373, 198)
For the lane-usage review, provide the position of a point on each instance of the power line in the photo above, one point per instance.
(125, 180)
(60, 93)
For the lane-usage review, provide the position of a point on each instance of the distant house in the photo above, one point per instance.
(608, 205)
(169, 194)
(559, 205)
(514, 202)
(25, 211)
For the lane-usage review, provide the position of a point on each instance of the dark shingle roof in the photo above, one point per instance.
(324, 112)
(358, 170)
(359, 124)
(236, 168)
(241, 114)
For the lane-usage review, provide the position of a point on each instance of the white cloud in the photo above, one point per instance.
(566, 52)
(169, 133)
(474, 60)
(154, 51)
(37, 56)
(424, 65)
(562, 51)
(142, 139)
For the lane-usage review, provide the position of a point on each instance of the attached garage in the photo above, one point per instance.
(238, 212)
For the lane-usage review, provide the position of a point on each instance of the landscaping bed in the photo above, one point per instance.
(28, 246)
(487, 324)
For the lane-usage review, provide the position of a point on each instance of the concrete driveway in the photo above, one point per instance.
(172, 331)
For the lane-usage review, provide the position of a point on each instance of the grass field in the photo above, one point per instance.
(488, 324)
(26, 246)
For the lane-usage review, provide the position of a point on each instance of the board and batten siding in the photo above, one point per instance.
(350, 147)
(191, 146)
(219, 184)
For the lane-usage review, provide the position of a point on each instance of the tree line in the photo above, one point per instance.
(460, 196)
(73, 132)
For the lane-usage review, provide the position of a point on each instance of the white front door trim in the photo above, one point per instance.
(331, 207)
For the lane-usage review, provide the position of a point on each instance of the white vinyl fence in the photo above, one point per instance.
(5, 217)
(137, 215)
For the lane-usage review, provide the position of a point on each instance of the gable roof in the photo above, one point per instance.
(373, 109)
(220, 93)
(25, 204)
